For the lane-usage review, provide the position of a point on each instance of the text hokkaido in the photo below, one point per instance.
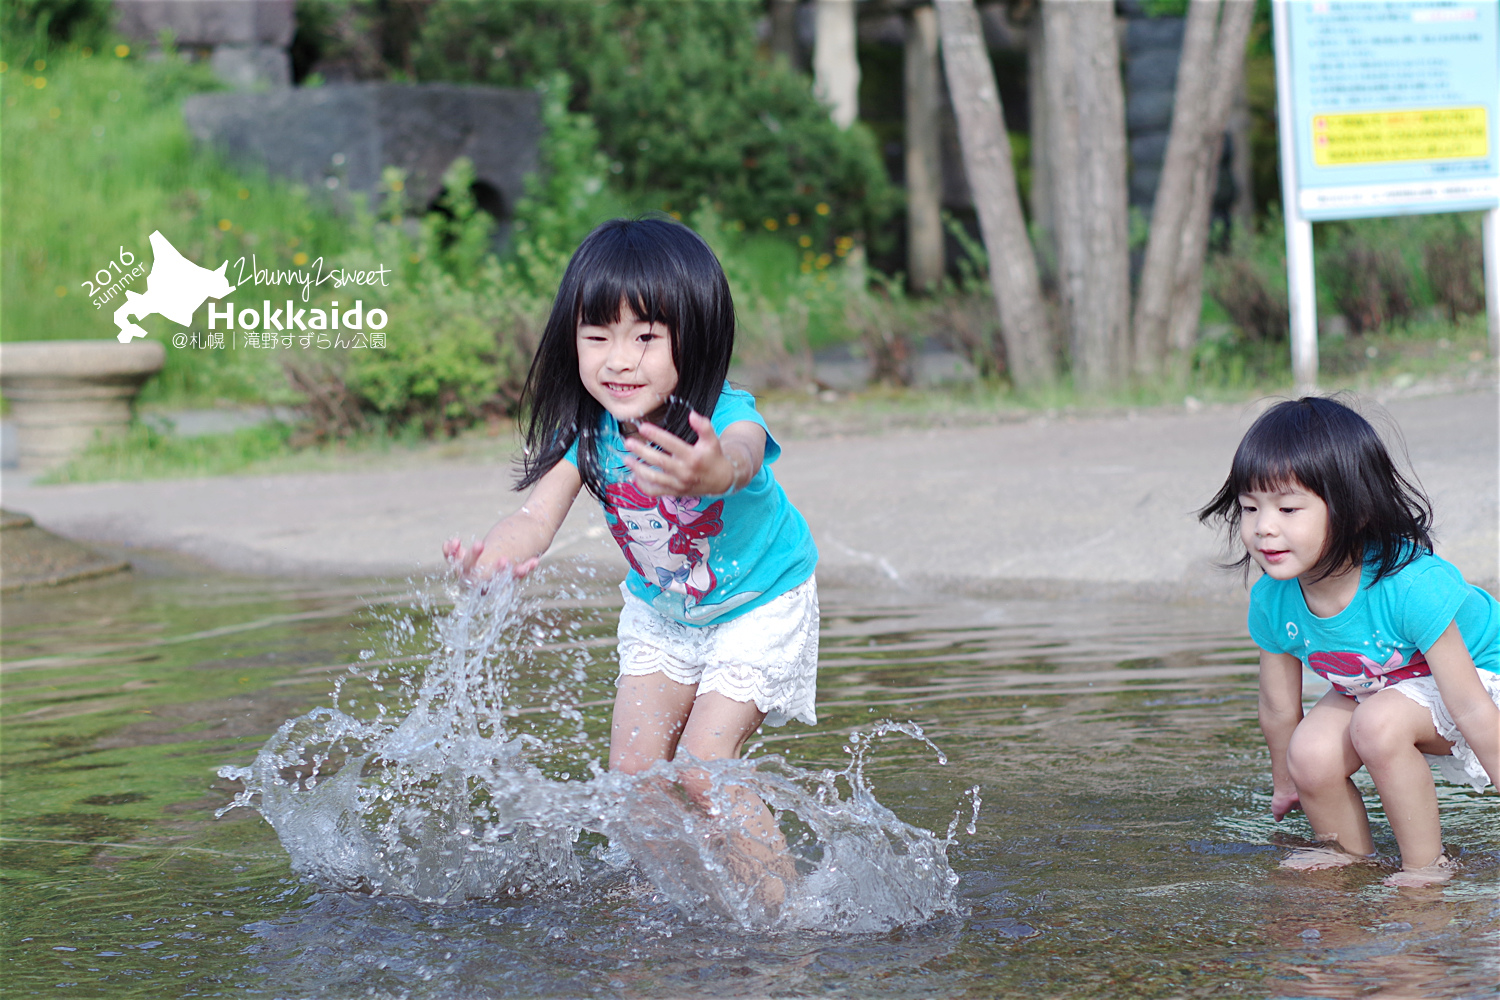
(291, 318)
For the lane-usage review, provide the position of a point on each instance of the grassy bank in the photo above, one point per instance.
(97, 157)
(1428, 358)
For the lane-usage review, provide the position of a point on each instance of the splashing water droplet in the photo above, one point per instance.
(437, 800)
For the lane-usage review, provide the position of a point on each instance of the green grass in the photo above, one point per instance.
(96, 157)
(1434, 354)
(270, 449)
(143, 452)
(1440, 354)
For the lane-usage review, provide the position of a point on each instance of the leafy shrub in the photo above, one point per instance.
(685, 105)
(455, 354)
(468, 322)
(1249, 283)
(965, 315)
(968, 321)
(1453, 260)
(35, 27)
(1369, 281)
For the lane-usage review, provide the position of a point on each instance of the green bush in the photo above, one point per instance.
(1377, 273)
(96, 157)
(1249, 282)
(34, 28)
(468, 322)
(1367, 278)
(685, 105)
(1453, 259)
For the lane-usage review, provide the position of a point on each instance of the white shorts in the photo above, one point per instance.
(768, 656)
(1461, 766)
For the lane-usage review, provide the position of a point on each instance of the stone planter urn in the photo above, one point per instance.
(63, 392)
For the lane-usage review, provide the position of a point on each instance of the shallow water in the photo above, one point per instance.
(1122, 850)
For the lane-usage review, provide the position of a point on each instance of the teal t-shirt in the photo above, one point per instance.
(1381, 636)
(705, 560)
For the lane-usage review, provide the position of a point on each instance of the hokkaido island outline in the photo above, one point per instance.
(175, 288)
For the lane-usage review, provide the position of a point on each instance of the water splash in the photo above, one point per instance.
(437, 799)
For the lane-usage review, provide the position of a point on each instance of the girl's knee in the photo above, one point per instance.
(1386, 723)
(1316, 758)
(631, 763)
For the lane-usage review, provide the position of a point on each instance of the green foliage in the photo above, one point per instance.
(450, 357)
(95, 159)
(565, 200)
(1367, 279)
(685, 105)
(146, 453)
(469, 320)
(1249, 283)
(32, 29)
(1380, 272)
(1377, 273)
(1165, 8)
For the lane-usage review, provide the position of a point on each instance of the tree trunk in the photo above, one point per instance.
(1242, 163)
(784, 31)
(992, 181)
(924, 168)
(836, 61)
(1086, 132)
(1171, 291)
(1042, 226)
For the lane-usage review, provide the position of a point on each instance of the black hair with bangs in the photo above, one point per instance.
(1375, 514)
(664, 273)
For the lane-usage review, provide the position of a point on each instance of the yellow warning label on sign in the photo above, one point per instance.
(1396, 136)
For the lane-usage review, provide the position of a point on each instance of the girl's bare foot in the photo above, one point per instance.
(1436, 873)
(1311, 859)
(768, 870)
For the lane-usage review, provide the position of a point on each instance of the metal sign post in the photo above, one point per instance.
(1301, 287)
(1492, 277)
(1384, 107)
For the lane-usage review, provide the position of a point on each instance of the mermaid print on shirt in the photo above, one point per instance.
(1359, 676)
(665, 539)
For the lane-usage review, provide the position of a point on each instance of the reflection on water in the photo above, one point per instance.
(1123, 850)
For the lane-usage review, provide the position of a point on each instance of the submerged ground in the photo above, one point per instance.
(1124, 847)
(1033, 595)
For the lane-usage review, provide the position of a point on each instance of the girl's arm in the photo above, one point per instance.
(517, 542)
(714, 464)
(1280, 711)
(1466, 699)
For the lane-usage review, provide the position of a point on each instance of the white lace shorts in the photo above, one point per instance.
(768, 656)
(1461, 766)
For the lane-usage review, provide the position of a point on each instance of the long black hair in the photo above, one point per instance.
(664, 273)
(1375, 514)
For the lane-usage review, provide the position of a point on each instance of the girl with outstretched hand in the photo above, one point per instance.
(627, 396)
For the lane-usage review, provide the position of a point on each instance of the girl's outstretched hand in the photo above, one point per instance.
(1283, 803)
(467, 564)
(674, 468)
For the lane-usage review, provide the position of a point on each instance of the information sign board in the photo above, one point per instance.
(1395, 106)
(1384, 107)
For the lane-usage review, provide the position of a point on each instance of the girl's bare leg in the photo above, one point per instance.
(1390, 732)
(717, 728)
(1321, 757)
(654, 716)
(650, 713)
